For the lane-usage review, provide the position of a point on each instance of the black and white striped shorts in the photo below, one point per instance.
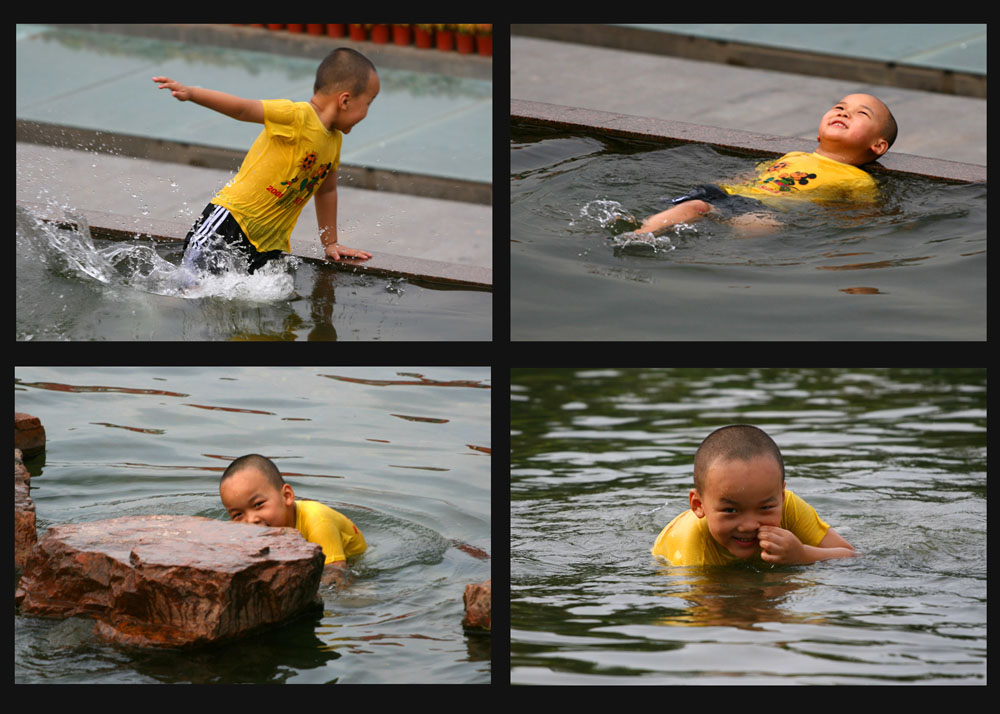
(215, 234)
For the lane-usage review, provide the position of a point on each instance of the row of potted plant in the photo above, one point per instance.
(465, 38)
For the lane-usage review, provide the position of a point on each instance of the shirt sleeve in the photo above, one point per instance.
(320, 528)
(801, 519)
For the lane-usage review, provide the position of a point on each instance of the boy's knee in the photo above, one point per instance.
(700, 206)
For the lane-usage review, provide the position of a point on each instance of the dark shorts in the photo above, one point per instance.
(726, 204)
(215, 238)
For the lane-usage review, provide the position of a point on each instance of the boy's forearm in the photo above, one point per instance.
(326, 216)
(814, 554)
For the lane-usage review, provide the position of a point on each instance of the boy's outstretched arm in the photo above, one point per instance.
(228, 104)
(326, 218)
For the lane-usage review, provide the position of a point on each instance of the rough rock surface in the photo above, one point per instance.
(29, 434)
(171, 581)
(24, 513)
(477, 606)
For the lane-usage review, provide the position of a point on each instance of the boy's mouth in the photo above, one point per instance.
(838, 122)
(745, 541)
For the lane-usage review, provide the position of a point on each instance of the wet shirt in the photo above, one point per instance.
(334, 532)
(686, 540)
(289, 160)
(801, 175)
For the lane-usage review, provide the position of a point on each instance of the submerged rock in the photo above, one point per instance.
(477, 606)
(29, 434)
(171, 581)
(24, 512)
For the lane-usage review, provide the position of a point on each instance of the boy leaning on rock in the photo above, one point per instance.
(253, 492)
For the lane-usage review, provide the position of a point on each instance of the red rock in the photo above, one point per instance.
(477, 606)
(29, 434)
(172, 581)
(24, 513)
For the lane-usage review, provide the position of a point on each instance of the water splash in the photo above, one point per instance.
(72, 253)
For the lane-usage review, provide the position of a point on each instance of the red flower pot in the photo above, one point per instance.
(423, 38)
(380, 34)
(466, 44)
(401, 34)
(484, 44)
(445, 40)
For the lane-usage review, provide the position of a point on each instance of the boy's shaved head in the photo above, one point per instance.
(344, 69)
(888, 122)
(258, 463)
(740, 442)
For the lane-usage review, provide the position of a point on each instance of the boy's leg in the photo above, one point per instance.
(681, 213)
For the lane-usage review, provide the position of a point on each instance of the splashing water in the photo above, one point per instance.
(611, 215)
(73, 254)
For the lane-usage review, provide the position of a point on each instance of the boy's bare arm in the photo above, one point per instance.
(232, 106)
(326, 219)
(781, 546)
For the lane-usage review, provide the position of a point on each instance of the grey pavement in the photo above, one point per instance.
(377, 221)
(931, 124)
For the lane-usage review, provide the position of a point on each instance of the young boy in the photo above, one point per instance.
(295, 156)
(856, 131)
(741, 510)
(253, 491)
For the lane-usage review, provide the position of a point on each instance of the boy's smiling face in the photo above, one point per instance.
(737, 498)
(249, 497)
(851, 131)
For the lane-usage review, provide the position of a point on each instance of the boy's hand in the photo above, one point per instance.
(780, 546)
(180, 92)
(336, 251)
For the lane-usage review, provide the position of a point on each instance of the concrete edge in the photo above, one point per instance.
(113, 226)
(660, 129)
(744, 54)
(213, 157)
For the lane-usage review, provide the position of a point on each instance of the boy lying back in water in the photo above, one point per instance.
(741, 510)
(856, 131)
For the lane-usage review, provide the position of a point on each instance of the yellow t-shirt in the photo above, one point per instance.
(686, 540)
(288, 161)
(801, 175)
(334, 532)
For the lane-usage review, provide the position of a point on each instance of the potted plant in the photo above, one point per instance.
(465, 39)
(444, 36)
(358, 32)
(380, 34)
(401, 34)
(423, 35)
(336, 29)
(484, 39)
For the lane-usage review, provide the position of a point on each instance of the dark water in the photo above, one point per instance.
(404, 453)
(915, 268)
(72, 287)
(894, 459)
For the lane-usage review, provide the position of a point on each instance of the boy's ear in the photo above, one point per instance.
(287, 494)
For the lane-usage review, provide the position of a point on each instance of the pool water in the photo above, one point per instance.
(71, 286)
(913, 269)
(404, 453)
(893, 459)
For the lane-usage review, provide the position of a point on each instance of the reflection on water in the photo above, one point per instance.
(894, 459)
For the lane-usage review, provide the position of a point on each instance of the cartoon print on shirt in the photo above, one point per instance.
(299, 188)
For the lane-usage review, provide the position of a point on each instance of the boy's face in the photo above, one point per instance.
(855, 123)
(249, 497)
(354, 109)
(738, 497)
